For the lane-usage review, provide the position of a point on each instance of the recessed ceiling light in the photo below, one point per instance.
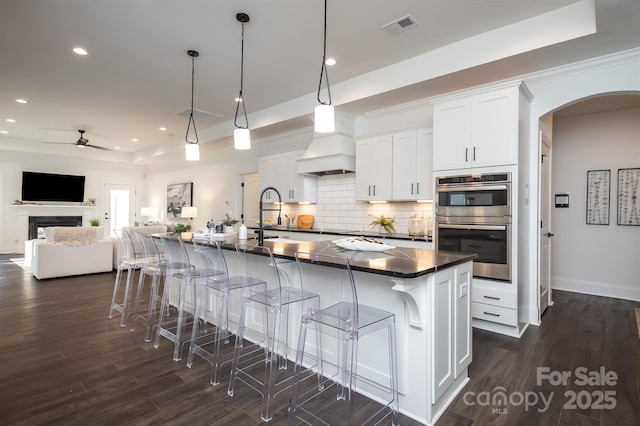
(135, 140)
(21, 101)
(162, 129)
(4, 132)
(10, 120)
(330, 61)
(116, 147)
(80, 51)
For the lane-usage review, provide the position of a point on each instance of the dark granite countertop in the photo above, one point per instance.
(399, 262)
(370, 234)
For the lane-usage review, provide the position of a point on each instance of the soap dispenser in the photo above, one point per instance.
(242, 232)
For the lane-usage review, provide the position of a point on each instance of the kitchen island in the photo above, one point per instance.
(429, 293)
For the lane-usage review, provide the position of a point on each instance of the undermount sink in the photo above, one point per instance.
(285, 240)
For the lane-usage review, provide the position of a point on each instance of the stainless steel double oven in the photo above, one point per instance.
(473, 215)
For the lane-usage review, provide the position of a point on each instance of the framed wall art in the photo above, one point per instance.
(628, 194)
(598, 188)
(179, 195)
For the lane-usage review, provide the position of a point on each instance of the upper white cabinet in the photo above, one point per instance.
(480, 129)
(280, 172)
(373, 168)
(412, 165)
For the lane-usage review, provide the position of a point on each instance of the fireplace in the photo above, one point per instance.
(36, 223)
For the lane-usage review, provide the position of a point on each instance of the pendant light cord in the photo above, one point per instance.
(193, 55)
(323, 70)
(240, 96)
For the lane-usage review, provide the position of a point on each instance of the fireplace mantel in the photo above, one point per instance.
(21, 213)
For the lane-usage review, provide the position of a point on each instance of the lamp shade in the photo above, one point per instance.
(147, 211)
(324, 120)
(192, 151)
(241, 139)
(189, 212)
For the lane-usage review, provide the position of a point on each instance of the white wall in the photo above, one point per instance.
(595, 259)
(12, 164)
(553, 89)
(217, 176)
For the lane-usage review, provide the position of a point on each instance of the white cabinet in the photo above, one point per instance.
(373, 168)
(412, 165)
(495, 303)
(443, 328)
(479, 130)
(463, 353)
(280, 172)
(451, 319)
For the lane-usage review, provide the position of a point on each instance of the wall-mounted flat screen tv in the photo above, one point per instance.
(52, 187)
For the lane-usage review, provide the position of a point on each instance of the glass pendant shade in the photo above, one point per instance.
(192, 151)
(241, 139)
(324, 120)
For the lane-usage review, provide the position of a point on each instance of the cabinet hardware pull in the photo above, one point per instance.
(369, 190)
(492, 314)
(374, 190)
(418, 188)
(474, 153)
(492, 297)
(411, 189)
(466, 154)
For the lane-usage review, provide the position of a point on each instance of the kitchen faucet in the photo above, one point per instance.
(262, 209)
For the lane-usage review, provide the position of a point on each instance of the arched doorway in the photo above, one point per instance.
(594, 133)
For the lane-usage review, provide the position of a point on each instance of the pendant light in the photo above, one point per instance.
(241, 135)
(324, 118)
(191, 148)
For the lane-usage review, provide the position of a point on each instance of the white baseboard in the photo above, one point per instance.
(595, 288)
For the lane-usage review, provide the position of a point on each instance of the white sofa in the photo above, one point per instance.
(67, 251)
(132, 230)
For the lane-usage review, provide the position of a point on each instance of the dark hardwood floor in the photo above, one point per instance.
(63, 362)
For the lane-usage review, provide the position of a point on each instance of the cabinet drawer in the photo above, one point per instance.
(495, 297)
(494, 314)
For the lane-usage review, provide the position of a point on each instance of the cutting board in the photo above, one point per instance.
(305, 221)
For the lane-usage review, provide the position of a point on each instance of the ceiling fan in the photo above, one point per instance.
(82, 142)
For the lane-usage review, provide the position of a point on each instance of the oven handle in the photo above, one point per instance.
(473, 188)
(474, 227)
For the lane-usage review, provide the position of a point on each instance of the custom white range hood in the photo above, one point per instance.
(327, 155)
(331, 153)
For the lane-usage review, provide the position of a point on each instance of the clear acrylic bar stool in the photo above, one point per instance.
(181, 274)
(345, 323)
(155, 269)
(212, 306)
(129, 261)
(262, 363)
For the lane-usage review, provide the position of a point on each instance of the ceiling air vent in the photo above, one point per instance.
(199, 115)
(399, 25)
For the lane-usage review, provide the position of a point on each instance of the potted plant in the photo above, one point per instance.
(183, 229)
(384, 223)
(94, 221)
(228, 223)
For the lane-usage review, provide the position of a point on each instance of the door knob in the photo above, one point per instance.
(549, 234)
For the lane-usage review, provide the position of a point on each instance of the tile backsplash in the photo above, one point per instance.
(337, 208)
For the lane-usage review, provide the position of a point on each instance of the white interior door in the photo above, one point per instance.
(544, 273)
(119, 206)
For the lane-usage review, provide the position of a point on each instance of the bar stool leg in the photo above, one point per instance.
(136, 302)
(273, 363)
(153, 299)
(393, 367)
(116, 286)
